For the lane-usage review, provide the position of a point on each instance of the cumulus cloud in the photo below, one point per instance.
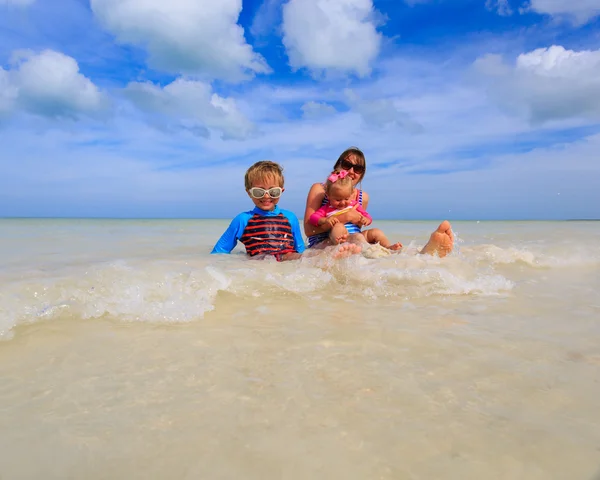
(546, 84)
(337, 35)
(48, 84)
(8, 93)
(199, 37)
(190, 105)
(382, 112)
(502, 7)
(581, 11)
(266, 17)
(317, 109)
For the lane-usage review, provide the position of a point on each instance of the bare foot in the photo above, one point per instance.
(338, 234)
(396, 246)
(346, 250)
(441, 241)
(343, 238)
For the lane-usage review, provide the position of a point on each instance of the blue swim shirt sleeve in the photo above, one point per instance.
(296, 231)
(234, 232)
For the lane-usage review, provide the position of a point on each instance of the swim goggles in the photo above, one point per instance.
(257, 192)
(347, 165)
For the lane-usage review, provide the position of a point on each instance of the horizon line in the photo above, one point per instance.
(301, 218)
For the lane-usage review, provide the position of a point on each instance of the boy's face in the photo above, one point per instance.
(266, 202)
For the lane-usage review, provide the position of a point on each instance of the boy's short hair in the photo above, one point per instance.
(263, 169)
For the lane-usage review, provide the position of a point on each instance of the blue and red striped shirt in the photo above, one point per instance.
(262, 232)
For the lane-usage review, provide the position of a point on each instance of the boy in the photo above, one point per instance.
(267, 229)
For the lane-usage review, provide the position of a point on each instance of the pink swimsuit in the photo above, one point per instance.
(328, 211)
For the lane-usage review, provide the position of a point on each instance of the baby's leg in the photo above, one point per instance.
(375, 235)
(338, 234)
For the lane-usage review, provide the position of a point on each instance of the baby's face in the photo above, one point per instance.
(339, 198)
(266, 202)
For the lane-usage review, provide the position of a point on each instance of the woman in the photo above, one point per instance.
(353, 161)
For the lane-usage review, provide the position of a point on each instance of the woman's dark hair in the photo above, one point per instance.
(357, 152)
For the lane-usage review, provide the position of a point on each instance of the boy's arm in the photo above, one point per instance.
(296, 232)
(229, 239)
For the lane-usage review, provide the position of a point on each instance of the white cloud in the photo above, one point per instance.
(20, 3)
(199, 37)
(123, 167)
(48, 84)
(511, 186)
(382, 112)
(8, 93)
(581, 11)
(546, 84)
(190, 105)
(501, 6)
(337, 35)
(266, 18)
(317, 109)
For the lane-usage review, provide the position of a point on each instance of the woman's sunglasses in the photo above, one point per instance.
(347, 165)
(256, 192)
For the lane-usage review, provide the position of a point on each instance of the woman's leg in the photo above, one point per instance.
(441, 241)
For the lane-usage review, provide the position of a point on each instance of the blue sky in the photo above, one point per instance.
(465, 109)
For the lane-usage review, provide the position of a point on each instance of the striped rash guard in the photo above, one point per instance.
(262, 232)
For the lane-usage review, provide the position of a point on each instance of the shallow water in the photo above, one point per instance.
(129, 352)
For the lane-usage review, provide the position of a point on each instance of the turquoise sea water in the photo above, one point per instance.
(130, 352)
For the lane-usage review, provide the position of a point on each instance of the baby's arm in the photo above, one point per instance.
(313, 203)
(315, 218)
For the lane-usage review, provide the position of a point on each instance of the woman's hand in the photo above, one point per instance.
(351, 216)
(363, 222)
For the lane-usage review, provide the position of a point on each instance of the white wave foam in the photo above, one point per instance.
(535, 256)
(154, 293)
(177, 291)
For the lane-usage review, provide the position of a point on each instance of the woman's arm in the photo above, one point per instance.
(316, 194)
(367, 220)
(363, 211)
(365, 204)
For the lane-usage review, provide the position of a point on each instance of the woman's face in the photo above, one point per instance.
(351, 164)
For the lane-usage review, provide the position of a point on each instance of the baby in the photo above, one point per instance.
(340, 196)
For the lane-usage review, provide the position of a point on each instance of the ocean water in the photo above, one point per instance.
(127, 351)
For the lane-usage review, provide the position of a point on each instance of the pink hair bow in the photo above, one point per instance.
(334, 177)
